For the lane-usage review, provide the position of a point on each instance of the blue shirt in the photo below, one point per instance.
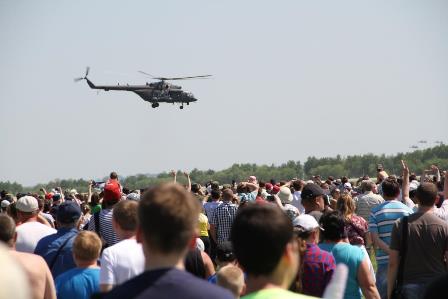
(78, 283)
(48, 246)
(352, 256)
(381, 221)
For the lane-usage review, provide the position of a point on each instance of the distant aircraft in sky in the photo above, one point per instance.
(423, 141)
(414, 147)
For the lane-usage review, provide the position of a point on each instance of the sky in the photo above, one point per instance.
(291, 79)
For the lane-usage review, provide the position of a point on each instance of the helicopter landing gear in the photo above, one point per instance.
(181, 107)
(155, 105)
(188, 103)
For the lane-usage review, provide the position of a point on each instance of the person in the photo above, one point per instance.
(167, 228)
(224, 257)
(232, 278)
(335, 193)
(204, 227)
(356, 227)
(313, 200)
(4, 205)
(381, 221)
(368, 200)
(56, 249)
(267, 250)
(83, 281)
(125, 259)
(360, 279)
(47, 215)
(213, 203)
(221, 221)
(36, 270)
(198, 263)
(30, 231)
(427, 236)
(318, 265)
(247, 191)
(297, 199)
(286, 198)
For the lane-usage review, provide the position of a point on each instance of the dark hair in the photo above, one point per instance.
(215, 194)
(224, 252)
(47, 205)
(168, 216)
(195, 188)
(125, 214)
(344, 180)
(426, 194)
(259, 236)
(390, 187)
(412, 177)
(7, 228)
(333, 225)
(297, 185)
(113, 175)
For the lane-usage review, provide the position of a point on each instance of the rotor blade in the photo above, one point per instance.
(87, 70)
(184, 78)
(78, 79)
(142, 72)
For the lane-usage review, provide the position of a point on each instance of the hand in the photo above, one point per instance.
(186, 174)
(90, 183)
(173, 173)
(405, 168)
(434, 168)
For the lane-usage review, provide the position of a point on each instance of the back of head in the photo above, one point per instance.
(113, 175)
(215, 194)
(195, 188)
(345, 204)
(390, 187)
(426, 194)
(297, 185)
(7, 228)
(227, 195)
(125, 214)
(333, 225)
(86, 246)
(367, 185)
(168, 216)
(224, 252)
(232, 278)
(259, 236)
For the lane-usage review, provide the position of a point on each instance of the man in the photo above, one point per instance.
(30, 231)
(167, 229)
(318, 264)
(427, 245)
(368, 200)
(222, 218)
(39, 276)
(313, 200)
(297, 198)
(211, 205)
(83, 281)
(56, 249)
(266, 249)
(125, 259)
(381, 221)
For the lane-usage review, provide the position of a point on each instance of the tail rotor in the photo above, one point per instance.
(85, 76)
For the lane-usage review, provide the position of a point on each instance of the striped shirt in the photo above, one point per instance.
(366, 202)
(106, 230)
(381, 222)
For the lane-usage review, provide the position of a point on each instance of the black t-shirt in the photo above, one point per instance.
(168, 283)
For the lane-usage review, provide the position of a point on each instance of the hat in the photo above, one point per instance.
(73, 192)
(285, 195)
(252, 178)
(224, 252)
(5, 203)
(307, 222)
(49, 195)
(27, 204)
(56, 197)
(268, 186)
(347, 186)
(112, 190)
(413, 185)
(275, 189)
(68, 212)
(311, 191)
(133, 196)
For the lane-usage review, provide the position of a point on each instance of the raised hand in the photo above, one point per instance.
(404, 168)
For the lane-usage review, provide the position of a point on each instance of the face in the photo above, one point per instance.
(320, 203)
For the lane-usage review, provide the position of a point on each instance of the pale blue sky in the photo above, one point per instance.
(291, 79)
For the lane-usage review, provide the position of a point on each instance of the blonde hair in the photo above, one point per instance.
(346, 205)
(232, 278)
(87, 246)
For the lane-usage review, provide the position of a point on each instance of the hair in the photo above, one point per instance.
(390, 187)
(259, 236)
(215, 194)
(86, 246)
(344, 180)
(232, 278)
(297, 185)
(195, 188)
(125, 214)
(227, 195)
(224, 252)
(426, 194)
(333, 225)
(47, 205)
(113, 175)
(334, 191)
(241, 188)
(367, 185)
(7, 228)
(168, 216)
(346, 205)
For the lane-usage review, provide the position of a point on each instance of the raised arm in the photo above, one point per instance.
(252, 187)
(174, 174)
(405, 186)
(89, 192)
(445, 186)
(189, 181)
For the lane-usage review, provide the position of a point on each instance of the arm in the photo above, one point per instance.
(89, 192)
(366, 281)
(213, 232)
(189, 181)
(405, 186)
(174, 174)
(445, 186)
(208, 264)
(252, 187)
(436, 172)
(107, 277)
(394, 260)
(50, 289)
(380, 243)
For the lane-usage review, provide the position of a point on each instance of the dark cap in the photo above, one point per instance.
(311, 191)
(68, 212)
(224, 252)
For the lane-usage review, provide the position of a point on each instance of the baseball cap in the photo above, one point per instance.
(68, 212)
(275, 189)
(285, 195)
(311, 190)
(27, 204)
(56, 197)
(268, 186)
(5, 203)
(305, 221)
(49, 195)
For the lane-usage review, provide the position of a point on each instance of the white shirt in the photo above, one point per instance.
(29, 233)
(121, 262)
(297, 201)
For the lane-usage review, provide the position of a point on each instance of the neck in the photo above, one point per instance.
(256, 283)
(29, 219)
(86, 264)
(157, 260)
(127, 235)
(425, 209)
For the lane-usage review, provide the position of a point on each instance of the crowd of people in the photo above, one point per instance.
(335, 238)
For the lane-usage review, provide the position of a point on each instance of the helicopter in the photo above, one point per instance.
(155, 92)
(414, 147)
(423, 141)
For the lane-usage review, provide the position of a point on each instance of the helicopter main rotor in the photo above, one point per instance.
(175, 78)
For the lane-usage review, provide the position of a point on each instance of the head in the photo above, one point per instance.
(346, 205)
(426, 194)
(124, 218)
(227, 195)
(297, 185)
(335, 193)
(215, 194)
(264, 243)
(7, 230)
(306, 228)
(312, 198)
(113, 175)
(27, 208)
(391, 188)
(232, 278)
(333, 226)
(168, 216)
(68, 214)
(224, 254)
(367, 186)
(195, 188)
(86, 249)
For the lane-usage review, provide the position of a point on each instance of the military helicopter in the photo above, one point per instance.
(155, 92)
(413, 147)
(423, 141)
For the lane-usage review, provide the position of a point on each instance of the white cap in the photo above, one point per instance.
(27, 204)
(306, 221)
(348, 185)
(413, 185)
(133, 196)
(5, 203)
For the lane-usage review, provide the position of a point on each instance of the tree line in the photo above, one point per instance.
(350, 166)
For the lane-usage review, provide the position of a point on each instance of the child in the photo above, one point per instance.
(232, 278)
